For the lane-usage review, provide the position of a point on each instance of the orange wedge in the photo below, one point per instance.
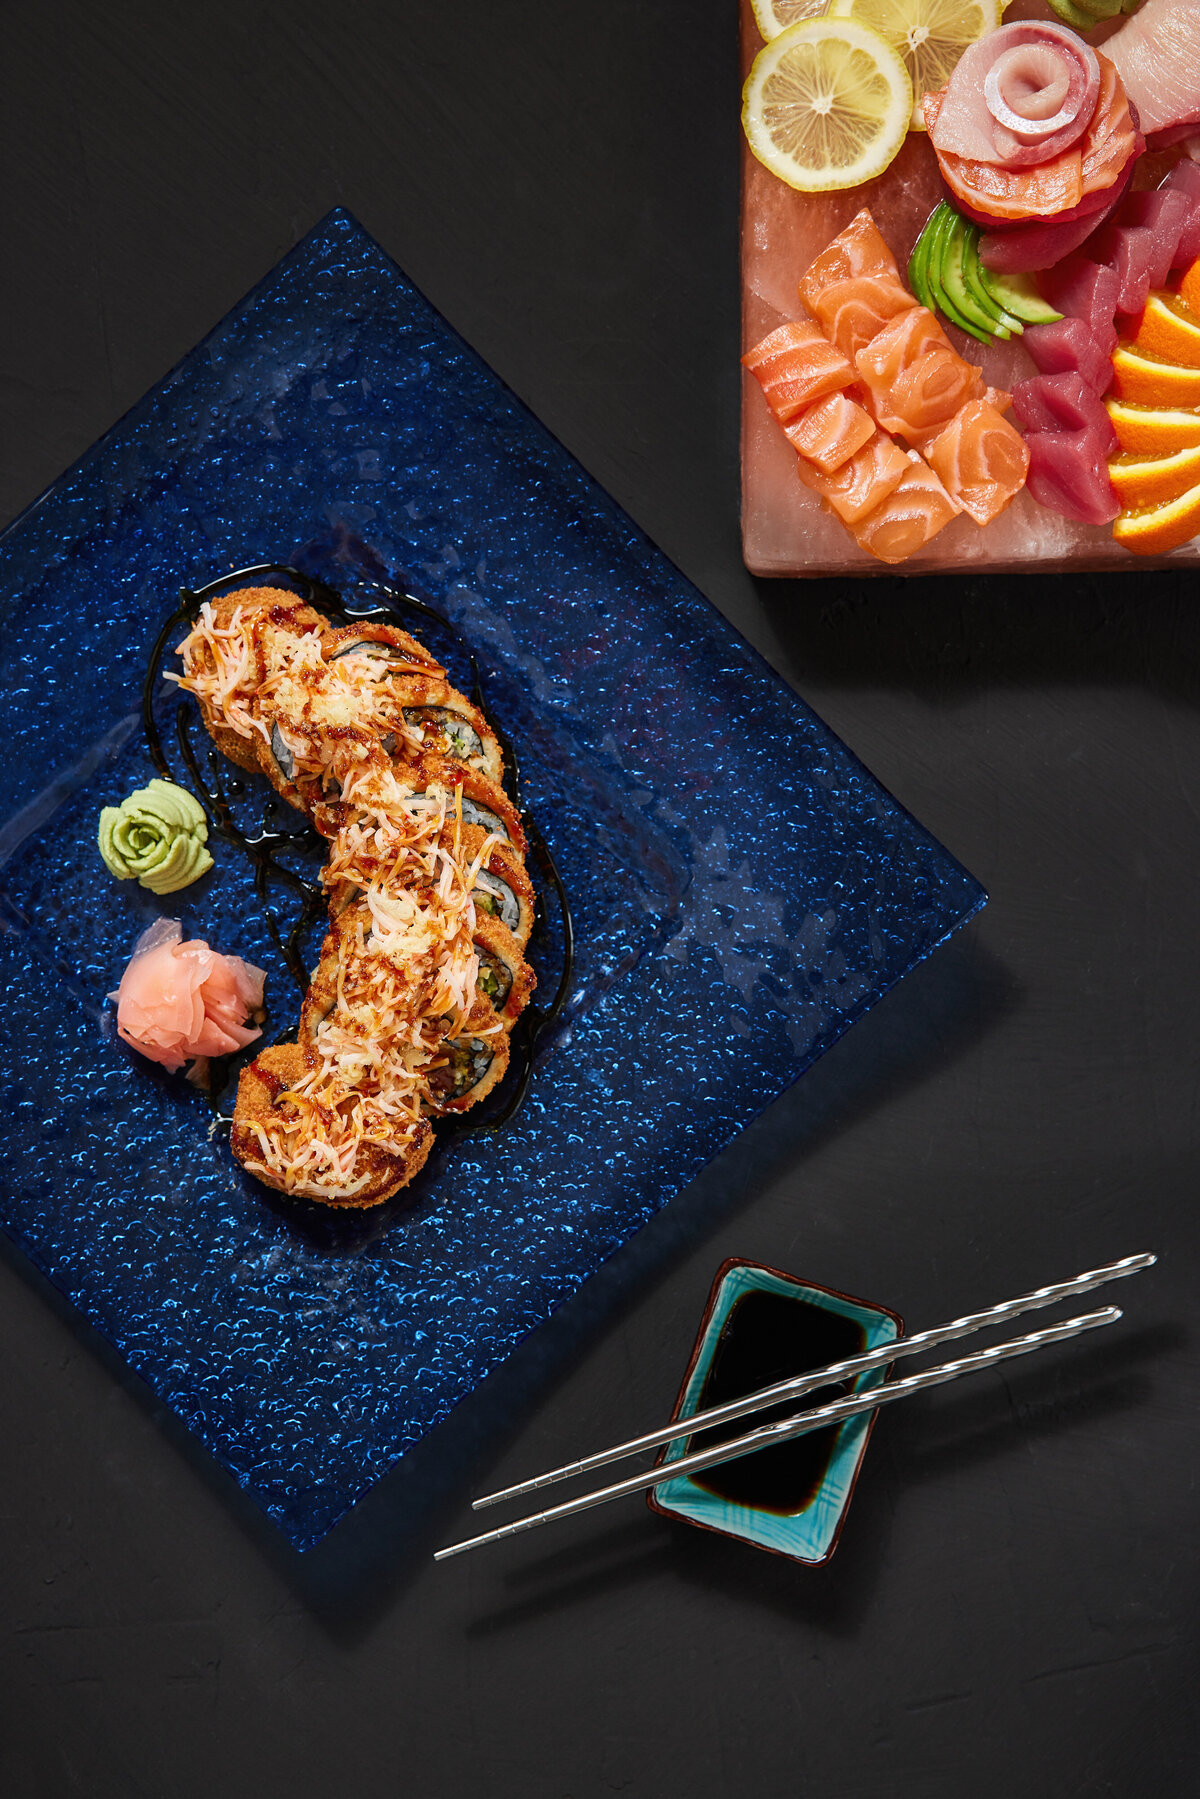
(1156, 529)
(1153, 430)
(1142, 481)
(1169, 329)
(1189, 287)
(1137, 376)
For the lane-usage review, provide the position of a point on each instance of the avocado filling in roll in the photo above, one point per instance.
(467, 1060)
(494, 978)
(496, 897)
(461, 740)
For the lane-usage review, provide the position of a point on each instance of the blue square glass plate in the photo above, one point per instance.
(743, 889)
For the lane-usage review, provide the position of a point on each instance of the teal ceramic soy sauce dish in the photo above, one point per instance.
(760, 1326)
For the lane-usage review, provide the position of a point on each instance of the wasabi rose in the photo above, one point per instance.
(156, 837)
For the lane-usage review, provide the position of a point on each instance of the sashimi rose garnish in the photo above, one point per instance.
(181, 1000)
(1032, 124)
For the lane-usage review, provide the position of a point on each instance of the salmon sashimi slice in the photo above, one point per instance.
(861, 483)
(981, 461)
(854, 287)
(915, 510)
(916, 380)
(796, 365)
(858, 250)
(828, 434)
(1041, 190)
(853, 312)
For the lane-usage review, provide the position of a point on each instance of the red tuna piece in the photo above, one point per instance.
(1063, 403)
(1083, 290)
(1068, 348)
(1164, 212)
(1127, 249)
(1184, 178)
(1068, 474)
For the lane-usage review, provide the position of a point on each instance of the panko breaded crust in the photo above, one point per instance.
(263, 1087)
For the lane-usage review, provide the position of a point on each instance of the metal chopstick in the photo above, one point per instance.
(824, 1377)
(799, 1426)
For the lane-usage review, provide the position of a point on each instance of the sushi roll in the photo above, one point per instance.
(422, 974)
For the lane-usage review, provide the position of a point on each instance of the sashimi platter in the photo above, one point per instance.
(970, 284)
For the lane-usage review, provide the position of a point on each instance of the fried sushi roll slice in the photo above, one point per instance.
(466, 1068)
(484, 801)
(239, 640)
(504, 979)
(401, 652)
(294, 1134)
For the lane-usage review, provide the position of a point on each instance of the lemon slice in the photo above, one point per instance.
(826, 104)
(929, 35)
(775, 16)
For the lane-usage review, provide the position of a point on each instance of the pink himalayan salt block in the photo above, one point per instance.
(828, 434)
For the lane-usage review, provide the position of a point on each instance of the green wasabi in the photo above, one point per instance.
(156, 837)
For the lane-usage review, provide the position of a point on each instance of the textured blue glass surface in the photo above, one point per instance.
(743, 888)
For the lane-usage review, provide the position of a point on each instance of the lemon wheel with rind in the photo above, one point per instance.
(929, 36)
(826, 105)
(774, 16)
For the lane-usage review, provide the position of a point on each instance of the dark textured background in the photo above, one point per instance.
(1012, 1606)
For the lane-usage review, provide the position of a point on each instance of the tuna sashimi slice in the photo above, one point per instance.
(981, 461)
(1184, 178)
(796, 365)
(916, 510)
(1068, 474)
(1063, 403)
(1165, 212)
(829, 433)
(1083, 289)
(862, 482)
(916, 380)
(1127, 249)
(1044, 242)
(1157, 55)
(1069, 347)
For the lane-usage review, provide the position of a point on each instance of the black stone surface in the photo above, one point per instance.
(1012, 1608)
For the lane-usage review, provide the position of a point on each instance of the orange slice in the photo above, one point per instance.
(1149, 480)
(1153, 430)
(1156, 529)
(1137, 376)
(1169, 329)
(1189, 286)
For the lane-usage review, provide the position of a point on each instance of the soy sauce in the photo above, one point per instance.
(770, 1337)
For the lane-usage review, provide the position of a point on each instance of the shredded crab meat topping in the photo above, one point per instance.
(406, 969)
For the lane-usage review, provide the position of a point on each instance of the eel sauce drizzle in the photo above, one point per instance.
(222, 780)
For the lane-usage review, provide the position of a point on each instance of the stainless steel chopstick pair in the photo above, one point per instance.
(802, 1423)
